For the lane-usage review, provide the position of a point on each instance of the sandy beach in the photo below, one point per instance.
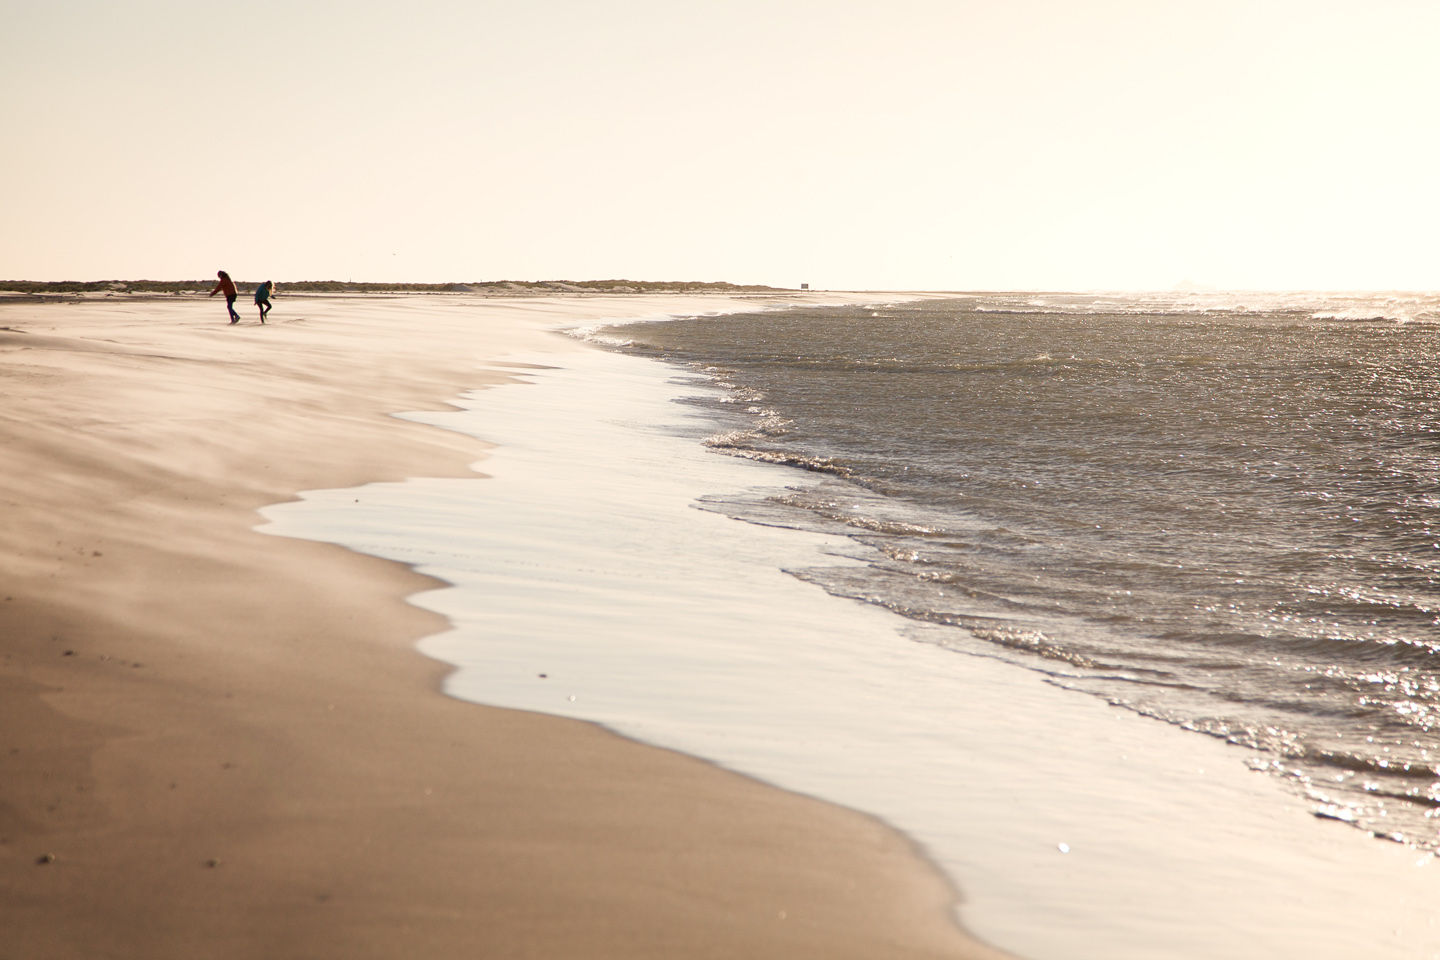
(218, 743)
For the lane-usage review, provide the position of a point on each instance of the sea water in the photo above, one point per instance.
(1122, 607)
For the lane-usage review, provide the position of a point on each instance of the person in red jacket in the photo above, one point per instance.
(227, 287)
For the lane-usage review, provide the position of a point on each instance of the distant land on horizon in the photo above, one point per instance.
(70, 287)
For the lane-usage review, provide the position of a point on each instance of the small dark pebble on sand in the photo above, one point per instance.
(45, 858)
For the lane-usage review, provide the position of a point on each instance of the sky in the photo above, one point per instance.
(848, 144)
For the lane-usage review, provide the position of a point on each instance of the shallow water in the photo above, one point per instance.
(1222, 514)
(583, 558)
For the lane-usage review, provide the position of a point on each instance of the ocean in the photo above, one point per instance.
(1121, 607)
(1220, 511)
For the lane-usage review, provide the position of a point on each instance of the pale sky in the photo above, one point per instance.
(880, 144)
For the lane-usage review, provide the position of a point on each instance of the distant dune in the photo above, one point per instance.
(491, 287)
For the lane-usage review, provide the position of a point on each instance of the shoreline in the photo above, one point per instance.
(227, 742)
(566, 570)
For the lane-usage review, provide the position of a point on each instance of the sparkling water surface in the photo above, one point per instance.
(1218, 510)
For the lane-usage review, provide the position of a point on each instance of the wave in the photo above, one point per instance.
(736, 443)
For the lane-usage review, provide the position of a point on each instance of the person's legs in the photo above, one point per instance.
(230, 305)
(264, 309)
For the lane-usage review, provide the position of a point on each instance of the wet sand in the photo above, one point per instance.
(216, 743)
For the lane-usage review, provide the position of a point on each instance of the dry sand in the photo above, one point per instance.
(216, 743)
